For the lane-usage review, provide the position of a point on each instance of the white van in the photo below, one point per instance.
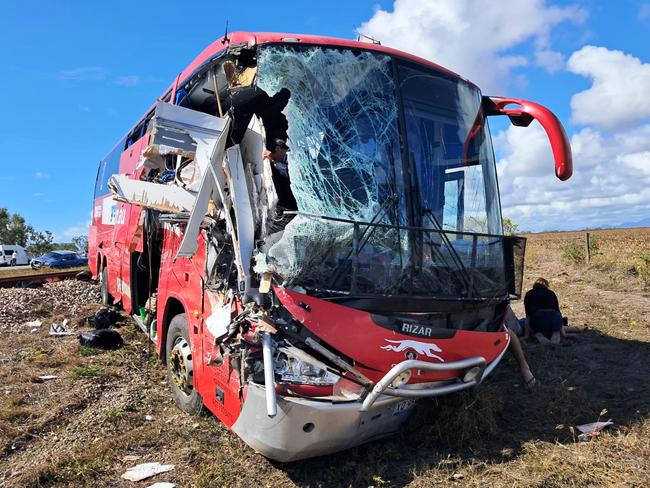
(13, 255)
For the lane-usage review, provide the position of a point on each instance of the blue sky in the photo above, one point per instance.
(78, 74)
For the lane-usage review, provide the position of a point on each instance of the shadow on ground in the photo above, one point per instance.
(578, 379)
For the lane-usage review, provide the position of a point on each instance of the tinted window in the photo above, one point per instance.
(108, 166)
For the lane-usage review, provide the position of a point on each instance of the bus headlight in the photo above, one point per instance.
(292, 369)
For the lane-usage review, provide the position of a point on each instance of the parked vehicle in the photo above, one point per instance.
(13, 255)
(58, 259)
(313, 329)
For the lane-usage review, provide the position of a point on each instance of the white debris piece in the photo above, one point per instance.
(47, 377)
(60, 330)
(162, 484)
(146, 470)
(33, 323)
(594, 428)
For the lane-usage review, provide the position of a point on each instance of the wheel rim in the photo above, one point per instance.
(180, 366)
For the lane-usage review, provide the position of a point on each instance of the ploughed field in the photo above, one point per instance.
(107, 411)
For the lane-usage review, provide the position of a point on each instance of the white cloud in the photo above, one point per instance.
(87, 73)
(129, 80)
(610, 184)
(80, 229)
(473, 37)
(618, 97)
(644, 11)
(39, 175)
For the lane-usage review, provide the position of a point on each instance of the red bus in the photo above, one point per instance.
(309, 230)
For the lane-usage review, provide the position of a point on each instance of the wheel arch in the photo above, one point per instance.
(173, 307)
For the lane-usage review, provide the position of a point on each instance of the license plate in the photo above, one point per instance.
(403, 407)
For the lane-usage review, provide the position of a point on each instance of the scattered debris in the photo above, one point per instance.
(592, 430)
(148, 418)
(84, 276)
(18, 306)
(47, 377)
(146, 470)
(130, 458)
(60, 329)
(102, 339)
(33, 323)
(162, 484)
(106, 317)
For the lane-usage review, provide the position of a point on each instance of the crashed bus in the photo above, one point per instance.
(313, 329)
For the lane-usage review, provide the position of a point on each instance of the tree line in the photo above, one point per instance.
(14, 230)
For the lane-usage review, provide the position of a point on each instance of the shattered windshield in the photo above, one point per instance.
(371, 222)
(343, 134)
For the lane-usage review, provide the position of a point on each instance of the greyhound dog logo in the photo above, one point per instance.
(426, 348)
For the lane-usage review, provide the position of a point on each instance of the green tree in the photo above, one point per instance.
(14, 230)
(509, 227)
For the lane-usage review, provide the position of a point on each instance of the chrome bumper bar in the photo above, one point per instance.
(474, 369)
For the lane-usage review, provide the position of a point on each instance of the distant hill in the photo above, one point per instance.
(641, 223)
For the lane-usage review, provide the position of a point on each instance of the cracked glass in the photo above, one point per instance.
(353, 233)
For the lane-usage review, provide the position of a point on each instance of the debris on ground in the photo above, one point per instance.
(20, 305)
(84, 275)
(592, 430)
(146, 470)
(60, 329)
(162, 484)
(104, 318)
(102, 339)
(47, 377)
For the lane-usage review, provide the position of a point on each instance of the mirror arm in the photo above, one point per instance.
(523, 114)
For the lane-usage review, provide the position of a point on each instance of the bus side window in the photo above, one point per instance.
(108, 166)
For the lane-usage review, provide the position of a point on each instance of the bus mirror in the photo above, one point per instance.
(521, 113)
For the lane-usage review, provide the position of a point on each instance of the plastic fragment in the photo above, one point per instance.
(146, 470)
(594, 428)
(162, 484)
(60, 329)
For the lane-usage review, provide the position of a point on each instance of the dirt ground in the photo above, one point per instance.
(108, 411)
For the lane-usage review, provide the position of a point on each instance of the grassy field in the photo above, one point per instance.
(89, 425)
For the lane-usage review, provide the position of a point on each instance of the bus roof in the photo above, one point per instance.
(258, 38)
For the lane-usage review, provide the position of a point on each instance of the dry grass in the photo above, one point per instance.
(15, 272)
(76, 430)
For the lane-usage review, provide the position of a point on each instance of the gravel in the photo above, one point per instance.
(20, 305)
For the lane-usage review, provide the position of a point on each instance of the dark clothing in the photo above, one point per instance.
(543, 310)
(282, 183)
(546, 321)
(540, 298)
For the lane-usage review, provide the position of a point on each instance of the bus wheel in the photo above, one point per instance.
(180, 373)
(107, 299)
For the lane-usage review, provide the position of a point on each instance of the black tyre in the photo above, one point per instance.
(180, 373)
(107, 299)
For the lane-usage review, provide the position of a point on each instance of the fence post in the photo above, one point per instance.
(587, 247)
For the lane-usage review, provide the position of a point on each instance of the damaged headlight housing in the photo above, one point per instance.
(302, 370)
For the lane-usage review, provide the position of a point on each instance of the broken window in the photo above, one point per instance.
(346, 170)
(342, 114)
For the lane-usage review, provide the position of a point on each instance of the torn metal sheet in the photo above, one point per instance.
(243, 213)
(213, 186)
(167, 198)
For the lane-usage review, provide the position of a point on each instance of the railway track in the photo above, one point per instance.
(32, 279)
